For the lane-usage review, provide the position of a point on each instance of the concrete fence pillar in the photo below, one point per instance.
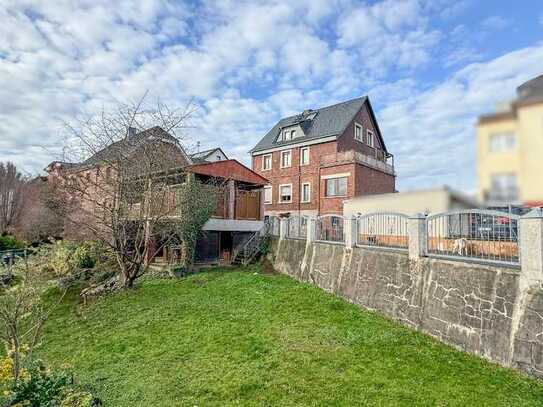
(311, 229)
(531, 247)
(350, 230)
(283, 228)
(417, 236)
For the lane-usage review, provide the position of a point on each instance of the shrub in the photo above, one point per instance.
(10, 242)
(41, 387)
(65, 257)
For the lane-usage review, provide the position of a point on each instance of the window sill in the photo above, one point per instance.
(336, 196)
(285, 202)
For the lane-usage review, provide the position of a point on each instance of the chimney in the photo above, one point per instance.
(131, 132)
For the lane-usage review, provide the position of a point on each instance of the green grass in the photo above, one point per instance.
(242, 338)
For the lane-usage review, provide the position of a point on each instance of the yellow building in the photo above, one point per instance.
(510, 150)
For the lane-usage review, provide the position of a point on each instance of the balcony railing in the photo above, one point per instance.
(246, 205)
(379, 161)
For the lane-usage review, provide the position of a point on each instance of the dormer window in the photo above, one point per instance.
(287, 135)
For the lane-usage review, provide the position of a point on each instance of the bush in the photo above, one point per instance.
(10, 242)
(65, 257)
(38, 386)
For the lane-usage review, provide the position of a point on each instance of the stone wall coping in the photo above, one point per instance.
(536, 213)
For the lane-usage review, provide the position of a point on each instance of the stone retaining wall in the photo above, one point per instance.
(480, 309)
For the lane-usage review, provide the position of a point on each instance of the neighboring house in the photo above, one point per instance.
(510, 147)
(239, 211)
(319, 158)
(428, 201)
(211, 155)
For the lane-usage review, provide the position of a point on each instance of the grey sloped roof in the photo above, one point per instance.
(329, 121)
(127, 145)
(203, 155)
(531, 89)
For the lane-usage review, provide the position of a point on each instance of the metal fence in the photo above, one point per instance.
(382, 230)
(329, 228)
(478, 234)
(273, 225)
(297, 227)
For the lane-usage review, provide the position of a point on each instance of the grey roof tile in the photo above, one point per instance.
(329, 121)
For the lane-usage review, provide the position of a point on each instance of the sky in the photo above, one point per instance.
(430, 68)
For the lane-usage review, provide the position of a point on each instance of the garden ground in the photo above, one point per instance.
(241, 337)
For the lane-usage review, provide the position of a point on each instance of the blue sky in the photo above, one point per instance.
(430, 68)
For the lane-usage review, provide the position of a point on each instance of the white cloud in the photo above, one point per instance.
(388, 34)
(495, 23)
(432, 131)
(248, 63)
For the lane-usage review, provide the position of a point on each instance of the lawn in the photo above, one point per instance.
(245, 338)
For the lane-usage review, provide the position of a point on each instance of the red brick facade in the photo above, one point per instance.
(327, 158)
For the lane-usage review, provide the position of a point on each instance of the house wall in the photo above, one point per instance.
(347, 141)
(411, 202)
(477, 308)
(524, 160)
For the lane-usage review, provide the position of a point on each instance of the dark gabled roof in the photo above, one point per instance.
(202, 156)
(128, 145)
(531, 88)
(328, 121)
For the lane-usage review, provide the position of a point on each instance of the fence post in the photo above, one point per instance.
(311, 229)
(350, 230)
(531, 247)
(417, 236)
(283, 228)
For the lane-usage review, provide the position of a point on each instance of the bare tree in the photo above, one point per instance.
(124, 193)
(23, 311)
(39, 221)
(11, 195)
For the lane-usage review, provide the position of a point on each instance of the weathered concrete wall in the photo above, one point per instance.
(476, 308)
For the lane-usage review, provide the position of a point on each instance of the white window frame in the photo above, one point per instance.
(370, 136)
(281, 159)
(270, 188)
(302, 192)
(291, 194)
(359, 126)
(264, 160)
(302, 154)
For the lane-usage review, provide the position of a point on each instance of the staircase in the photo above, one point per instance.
(250, 250)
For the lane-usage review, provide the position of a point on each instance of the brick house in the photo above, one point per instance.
(320, 158)
(238, 215)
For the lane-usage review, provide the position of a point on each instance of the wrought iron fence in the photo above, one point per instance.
(273, 225)
(478, 234)
(297, 227)
(329, 228)
(383, 230)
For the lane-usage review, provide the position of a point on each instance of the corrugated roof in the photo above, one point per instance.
(329, 121)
